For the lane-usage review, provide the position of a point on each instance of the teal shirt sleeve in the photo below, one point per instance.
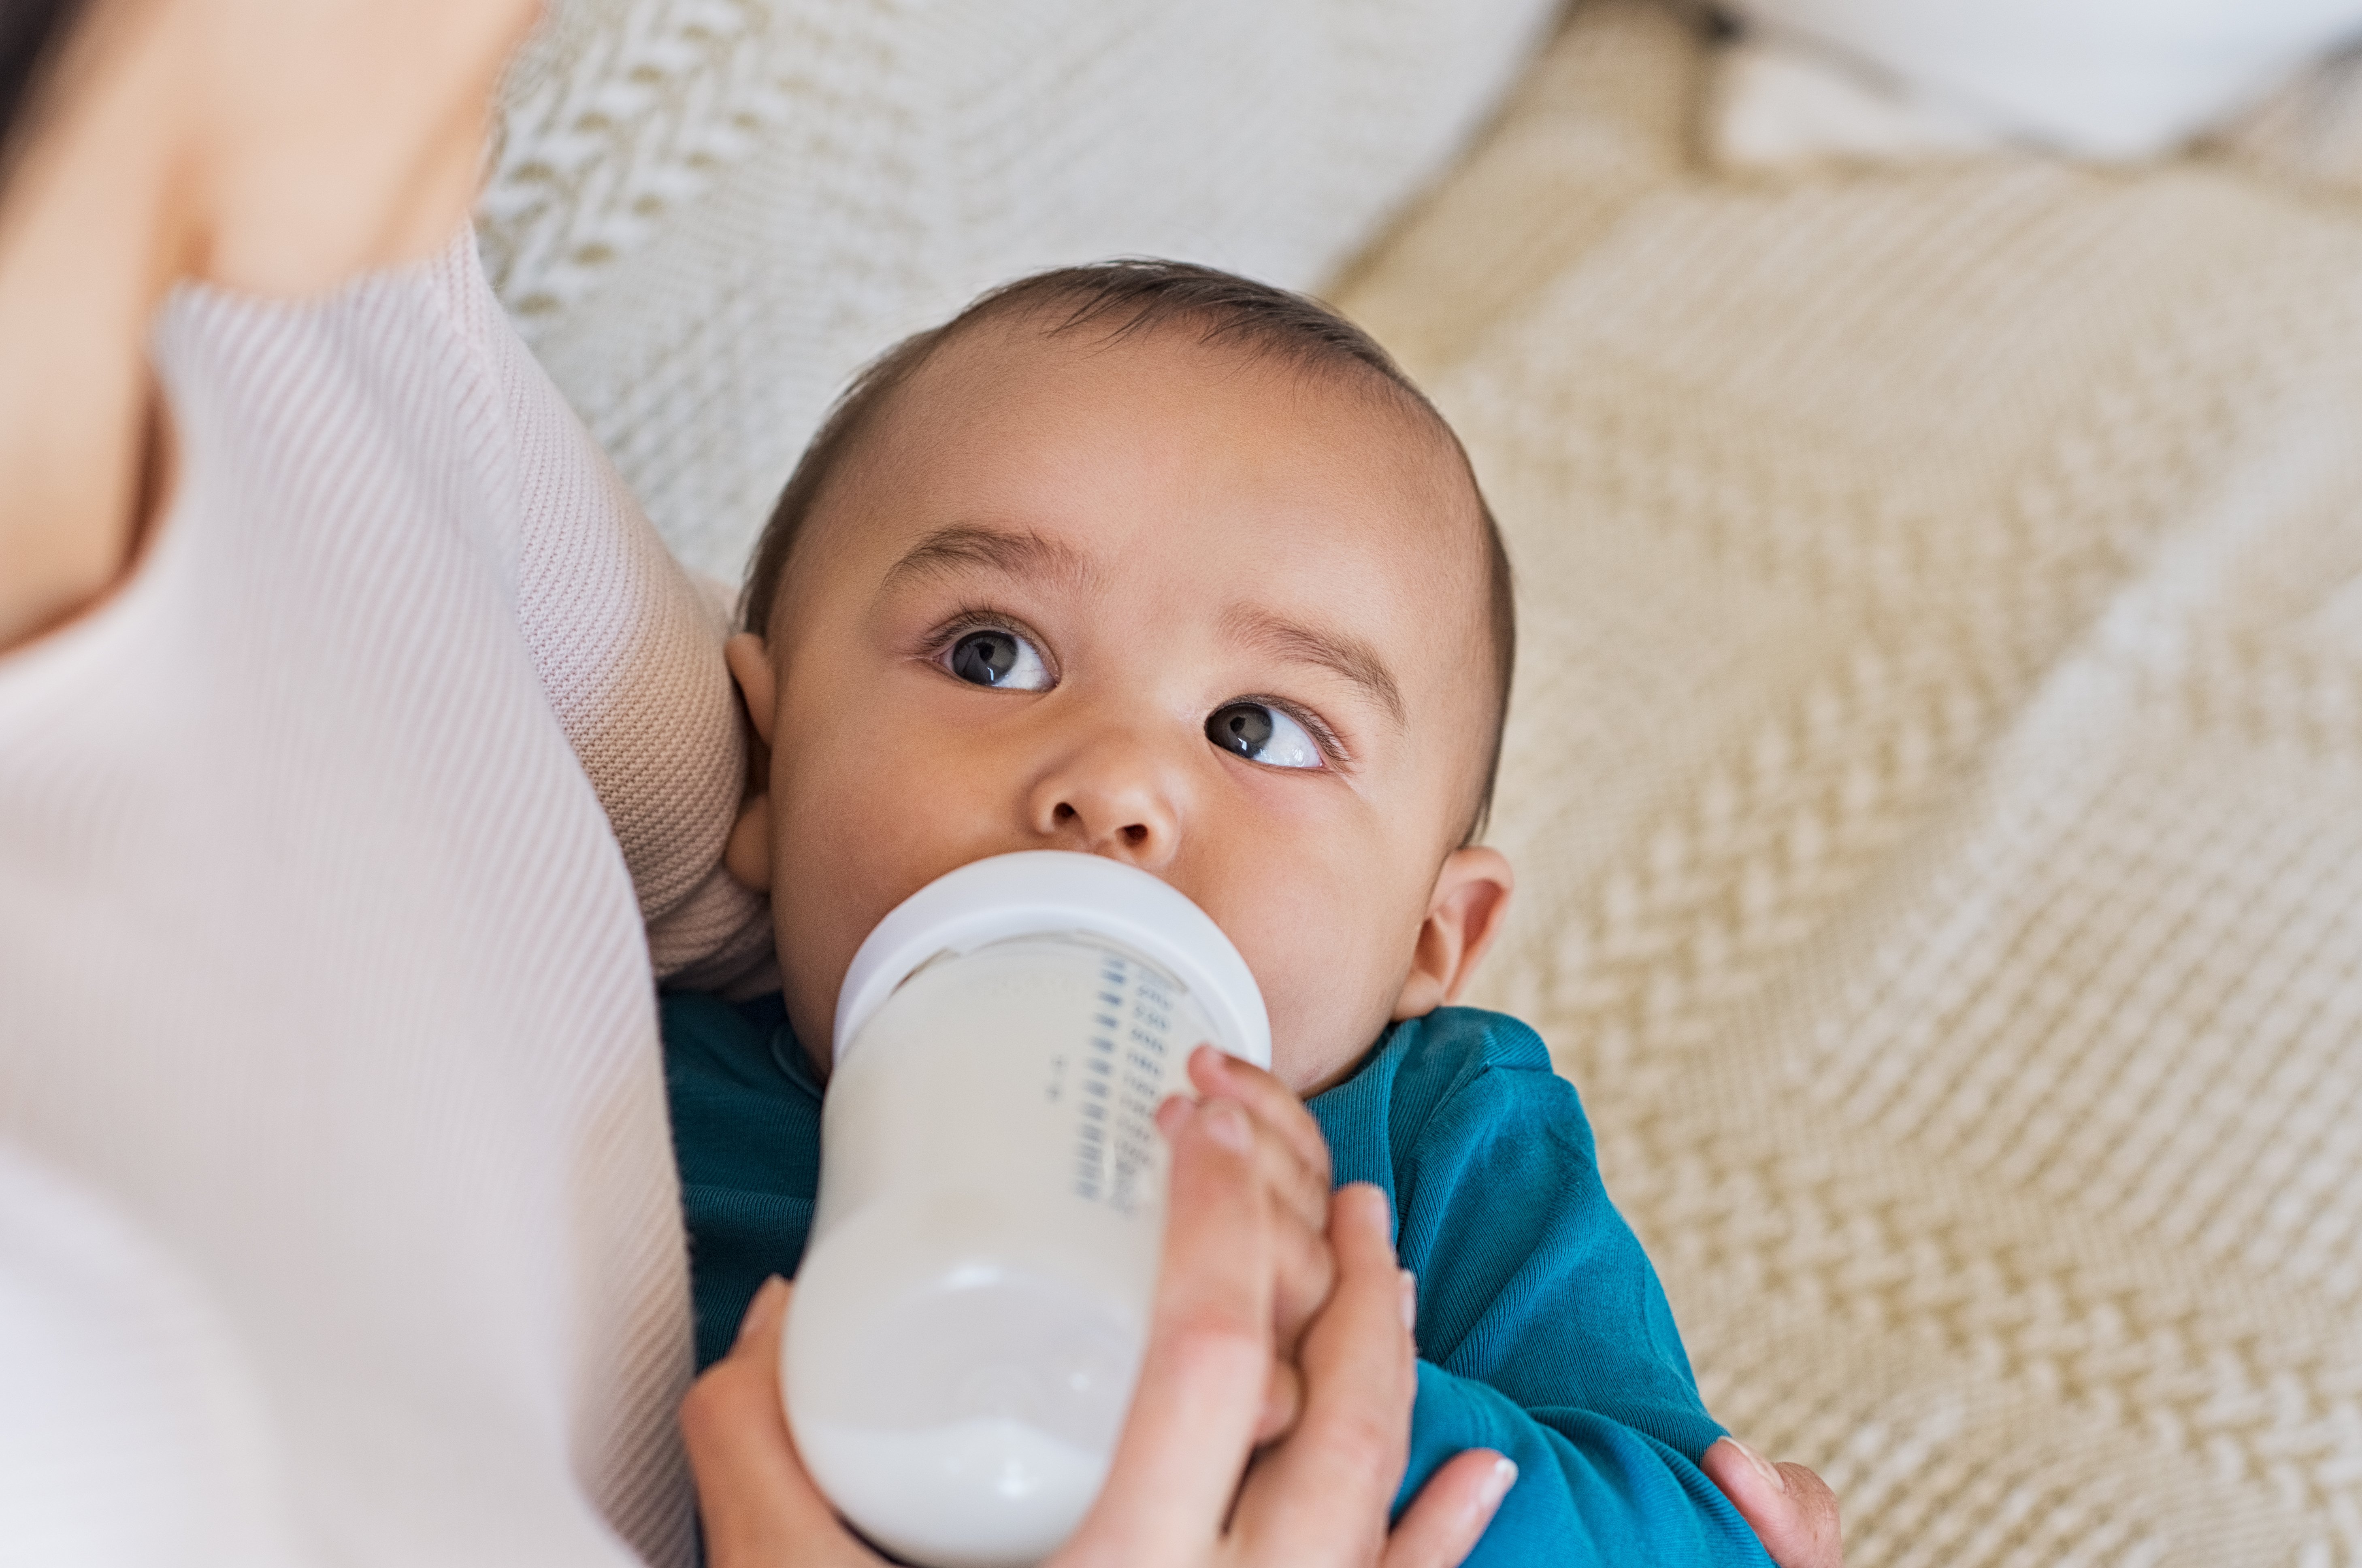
(1589, 1489)
(1542, 1330)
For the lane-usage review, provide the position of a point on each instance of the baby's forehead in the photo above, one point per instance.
(1359, 422)
(1228, 421)
(1239, 408)
(1352, 478)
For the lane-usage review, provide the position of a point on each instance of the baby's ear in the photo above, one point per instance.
(749, 658)
(747, 854)
(1463, 915)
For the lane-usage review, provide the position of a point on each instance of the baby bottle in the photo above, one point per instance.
(973, 1304)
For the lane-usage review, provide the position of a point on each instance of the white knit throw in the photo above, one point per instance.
(1936, 779)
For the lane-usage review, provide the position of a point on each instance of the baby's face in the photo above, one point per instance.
(1205, 614)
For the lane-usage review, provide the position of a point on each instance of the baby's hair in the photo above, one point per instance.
(1123, 299)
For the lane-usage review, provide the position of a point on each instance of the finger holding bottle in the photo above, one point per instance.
(756, 1505)
(1321, 1495)
(1291, 1160)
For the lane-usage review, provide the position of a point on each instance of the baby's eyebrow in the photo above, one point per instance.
(1012, 552)
(1354, 660)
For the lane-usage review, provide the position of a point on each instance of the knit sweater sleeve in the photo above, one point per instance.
(320, 975)
(1543, 1331)
(628, 647)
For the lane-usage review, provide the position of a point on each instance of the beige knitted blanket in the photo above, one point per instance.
(1936, 781)
(1936, 774)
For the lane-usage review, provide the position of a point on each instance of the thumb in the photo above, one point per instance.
(1791, 1510)
(1193, 1417)
(757, 1505)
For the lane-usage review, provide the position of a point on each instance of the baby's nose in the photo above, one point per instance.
(1133, 835)
(1114, 799)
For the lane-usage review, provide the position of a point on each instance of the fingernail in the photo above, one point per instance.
(1763, 1467)
(1227, 1124)
(1375, 1211)
(762, 1298)
(1410, 1304)
(1503, 1475)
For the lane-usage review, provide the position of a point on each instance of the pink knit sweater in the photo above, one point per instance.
(338, 1216)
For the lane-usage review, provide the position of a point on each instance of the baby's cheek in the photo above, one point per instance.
(1329, 973)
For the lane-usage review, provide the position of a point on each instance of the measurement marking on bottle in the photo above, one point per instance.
(1114, 1153)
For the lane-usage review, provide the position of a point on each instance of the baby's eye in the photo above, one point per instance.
(997, 658)
(1264, 734)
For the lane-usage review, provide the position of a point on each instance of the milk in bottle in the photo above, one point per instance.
(973, 1304)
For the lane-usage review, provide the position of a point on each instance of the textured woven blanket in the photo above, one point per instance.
(1937, 780)
(705, 214)
(1936, 771)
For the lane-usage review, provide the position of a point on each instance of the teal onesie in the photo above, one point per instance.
(1542, 1331)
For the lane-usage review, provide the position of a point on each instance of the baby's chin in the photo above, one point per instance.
(1319, 1055)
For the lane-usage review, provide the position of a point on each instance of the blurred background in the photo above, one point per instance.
(1929, 437)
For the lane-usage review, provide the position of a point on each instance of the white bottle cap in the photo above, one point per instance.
(1039, 892)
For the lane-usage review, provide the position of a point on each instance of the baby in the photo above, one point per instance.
(1148, 561)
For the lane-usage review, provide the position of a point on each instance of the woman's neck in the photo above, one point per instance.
(91, 238)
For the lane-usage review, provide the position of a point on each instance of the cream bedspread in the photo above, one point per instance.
(1936, 773)
(1937, 780)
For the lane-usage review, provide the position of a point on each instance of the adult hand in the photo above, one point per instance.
(1319, 1499)
(1291, 1157)
(1793, 1511)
